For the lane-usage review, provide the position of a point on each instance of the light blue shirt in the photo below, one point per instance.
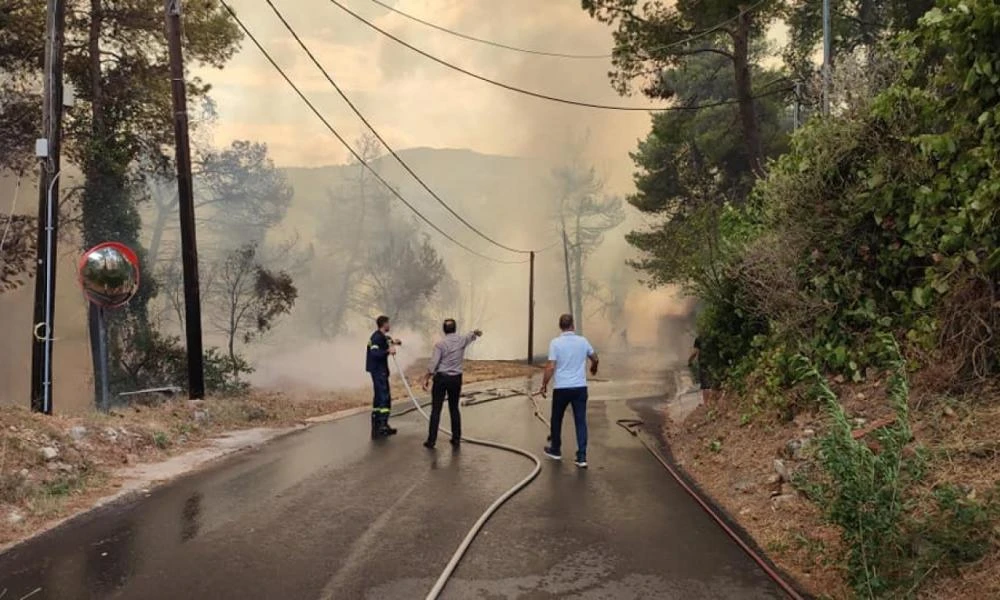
(570, 352)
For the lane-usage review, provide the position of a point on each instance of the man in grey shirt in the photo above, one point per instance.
(446, 371)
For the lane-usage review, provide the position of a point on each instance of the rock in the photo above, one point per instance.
(949, 411)
(783, 500)
(24, 473)
(111, 433)
(792, 448)
(14, 517)
(61, 467)
(49, 453)
(782, 470)
(195, 404)
(860, 396)
(745, 511)
(839, 379)
(859, 421)
(774, 479)
(78, 433)
(201, 416)
(809, 433)
(744, 487)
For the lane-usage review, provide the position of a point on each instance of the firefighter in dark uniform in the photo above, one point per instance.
(380, 346)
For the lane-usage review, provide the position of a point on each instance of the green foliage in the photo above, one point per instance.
(247, 299)
(856, 25)
(885, 218)
(161, 440)
(871, 492)
(156, 360)
(863, 492)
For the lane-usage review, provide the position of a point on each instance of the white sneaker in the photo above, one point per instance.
(580, 463)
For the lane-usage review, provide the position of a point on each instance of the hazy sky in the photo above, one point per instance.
(415, 102)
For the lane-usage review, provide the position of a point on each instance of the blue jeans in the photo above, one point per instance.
(577, 398)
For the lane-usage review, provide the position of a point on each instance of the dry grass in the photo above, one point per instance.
(733, 464)
(90, 449)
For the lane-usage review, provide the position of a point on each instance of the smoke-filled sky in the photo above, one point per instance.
(415, 102)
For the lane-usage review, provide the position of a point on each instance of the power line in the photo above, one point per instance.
(485, 41)
(347, 145)
(487, 79)
(371, 127)
(471, 38)
(529, 92)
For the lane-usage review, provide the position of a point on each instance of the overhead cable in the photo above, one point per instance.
(693, 37)
(350, 148)
(374, 131)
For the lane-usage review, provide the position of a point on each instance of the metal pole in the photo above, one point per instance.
(48, 213)
(827, 52)
(102, 343)
(531, 311)
(189, 246)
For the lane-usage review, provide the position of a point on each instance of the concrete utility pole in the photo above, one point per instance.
(531, 310)
(189, 245)
(47, 150)
(827, 55)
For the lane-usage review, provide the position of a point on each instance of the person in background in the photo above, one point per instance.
(446, 372)
(568, 356)
(380, 347)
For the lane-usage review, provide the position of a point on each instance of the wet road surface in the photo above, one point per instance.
(329, 514)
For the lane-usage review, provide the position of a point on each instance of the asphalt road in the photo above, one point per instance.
(330, 514)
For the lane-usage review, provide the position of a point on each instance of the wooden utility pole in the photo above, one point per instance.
(531, 311)
(47, 151)
(185, 192)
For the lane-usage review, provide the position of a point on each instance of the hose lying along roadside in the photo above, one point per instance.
(632, 426)
(478, 525)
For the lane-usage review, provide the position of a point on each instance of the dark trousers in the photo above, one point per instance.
(577, 398)
(450, 386)
(381, 400)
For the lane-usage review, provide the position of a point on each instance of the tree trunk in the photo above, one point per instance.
(347, 282)
(163, 212)
(744, 92)
(93, 171)
(578, 264)
(232, 339)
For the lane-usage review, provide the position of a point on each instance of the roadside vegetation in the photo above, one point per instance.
(848, 287)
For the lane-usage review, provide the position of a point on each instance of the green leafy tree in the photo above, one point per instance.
(691, 167)
(584, 214)
(855, 24)
(652, 37)
(116, 61)
(247, 300)
(239, 195)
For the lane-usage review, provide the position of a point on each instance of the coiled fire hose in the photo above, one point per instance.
(478, 525)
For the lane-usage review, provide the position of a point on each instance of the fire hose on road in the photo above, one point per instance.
(478, 525)
(629, 425)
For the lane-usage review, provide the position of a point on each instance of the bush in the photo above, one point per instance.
(870, 491)
(863, 491)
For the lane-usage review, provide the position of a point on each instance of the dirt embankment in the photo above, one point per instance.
(746, 464)
(53, 467)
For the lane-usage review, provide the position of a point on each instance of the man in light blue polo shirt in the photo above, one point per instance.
(568, 356)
